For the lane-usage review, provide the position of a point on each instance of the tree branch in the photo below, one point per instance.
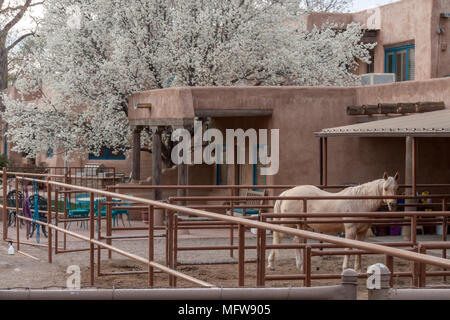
(10, 9)
(16, 18)
(18, 40)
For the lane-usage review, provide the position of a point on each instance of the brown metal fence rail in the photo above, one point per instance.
(233, 191)
(171, 209)
(346, 290)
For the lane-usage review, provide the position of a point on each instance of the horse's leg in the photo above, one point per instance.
(298, 252)
(361, 236)
(276, 240)
(350, 233)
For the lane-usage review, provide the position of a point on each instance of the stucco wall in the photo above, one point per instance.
(407, 20)
(122, 166)
(401, 22)
(298, 112)
(441, 42)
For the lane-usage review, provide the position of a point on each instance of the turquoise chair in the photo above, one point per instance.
(102, 212)
(121, 212)
(79, 212)
(83, 204)
(81, 195)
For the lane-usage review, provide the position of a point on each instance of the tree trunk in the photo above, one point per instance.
(156, 163)
(3, 71)
(136, 172)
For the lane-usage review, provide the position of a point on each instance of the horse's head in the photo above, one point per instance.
(390, 188)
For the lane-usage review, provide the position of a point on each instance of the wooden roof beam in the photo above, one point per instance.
(395, 108)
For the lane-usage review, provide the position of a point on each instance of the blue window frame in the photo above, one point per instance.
(257, 166)
(107, 154)
(221, 169)
(50, 153)
(401, 62)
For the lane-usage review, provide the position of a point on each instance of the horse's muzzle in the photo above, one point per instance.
(392, 206)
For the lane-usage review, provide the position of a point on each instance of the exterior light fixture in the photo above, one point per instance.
(143, 106)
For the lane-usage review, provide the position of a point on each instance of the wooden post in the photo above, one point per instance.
(66, 181)
(136, 173)
(414, 165)
(91, 236)
(182, 181)
(307, 266)
(409, 177)
(109, 220)
(17, 196)
(389, 261)
(151, 244)
(263, 256)
(170, 245)
(241, 256)
(444, 231)
(321, 161)
(325, 161)
(233, 193)
(5, 212)
(56, 218)
(156, 162)
(49, 219)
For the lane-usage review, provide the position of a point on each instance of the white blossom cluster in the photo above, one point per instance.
(96, 53)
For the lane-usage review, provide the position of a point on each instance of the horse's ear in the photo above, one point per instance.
(397, 176)
(385, 176)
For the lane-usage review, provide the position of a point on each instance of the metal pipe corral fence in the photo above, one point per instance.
(212, 219)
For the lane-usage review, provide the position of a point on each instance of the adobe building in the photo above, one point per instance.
(412, 39)
(412, 36)
(301, 114)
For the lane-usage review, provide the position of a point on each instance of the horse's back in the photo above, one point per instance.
(292, 206)
(304, 191)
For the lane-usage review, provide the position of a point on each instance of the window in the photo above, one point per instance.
(401, 61)
(50, 153)
(107, 154)
(371, 67)
(258, 179)
(221, 169)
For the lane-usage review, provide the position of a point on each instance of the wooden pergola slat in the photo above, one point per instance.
(395, 108)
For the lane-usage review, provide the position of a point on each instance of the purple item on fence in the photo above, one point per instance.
(395, 231)
(26, 206)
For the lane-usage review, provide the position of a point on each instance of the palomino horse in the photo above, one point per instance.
(387, 186)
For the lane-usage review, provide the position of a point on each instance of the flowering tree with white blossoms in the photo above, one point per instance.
(12, 12)
(326, 5)
(95, 53)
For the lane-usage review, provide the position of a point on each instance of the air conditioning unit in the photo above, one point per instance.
(370, 79)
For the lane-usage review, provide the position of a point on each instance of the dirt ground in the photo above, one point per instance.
(20, 271)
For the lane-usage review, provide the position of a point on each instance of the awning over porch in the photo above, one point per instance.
(430, 124)
(434, 124)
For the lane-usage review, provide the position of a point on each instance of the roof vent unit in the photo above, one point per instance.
(371, 79)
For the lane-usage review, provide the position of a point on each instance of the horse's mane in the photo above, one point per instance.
(372, 188)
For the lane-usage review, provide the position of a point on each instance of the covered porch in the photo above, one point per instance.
(216, 108)
(420, 133)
